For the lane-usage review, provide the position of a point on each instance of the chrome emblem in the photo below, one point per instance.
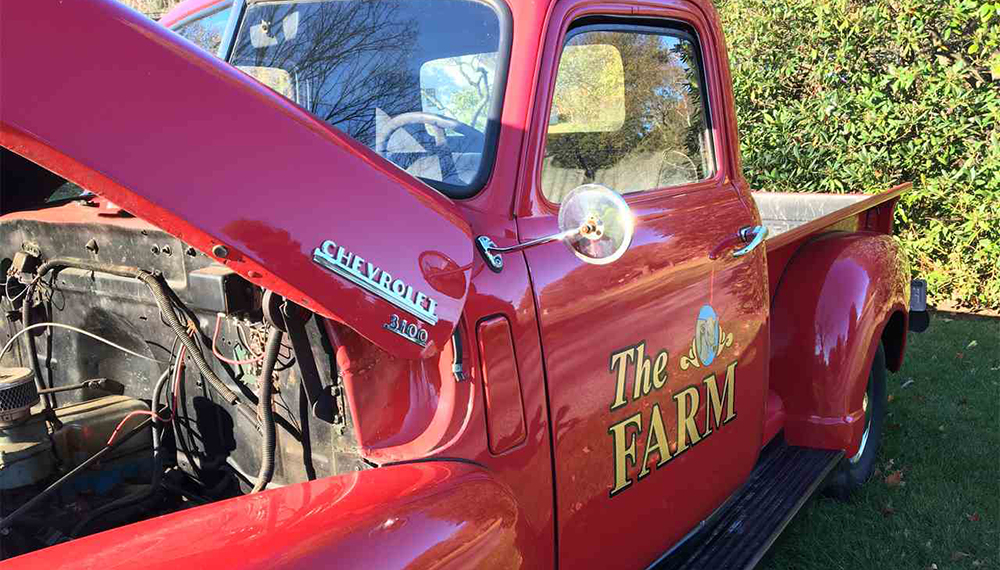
(412, 332)
(375, 280)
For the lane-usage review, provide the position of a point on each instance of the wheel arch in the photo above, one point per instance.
(840, 296)
(894, 337)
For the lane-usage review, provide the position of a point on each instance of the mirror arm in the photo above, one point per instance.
(493, 254)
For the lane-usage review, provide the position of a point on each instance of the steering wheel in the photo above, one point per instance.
(437, 124)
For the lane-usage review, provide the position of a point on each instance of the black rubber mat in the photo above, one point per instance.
(739, 535)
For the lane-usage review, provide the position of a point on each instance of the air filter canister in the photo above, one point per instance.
(25, 449)
(17, 394)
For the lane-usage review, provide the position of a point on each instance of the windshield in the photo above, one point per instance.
(415, 81)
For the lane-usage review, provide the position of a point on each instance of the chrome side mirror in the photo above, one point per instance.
(595, 223)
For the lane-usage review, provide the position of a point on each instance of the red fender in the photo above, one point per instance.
(434, 514)
(833, 304)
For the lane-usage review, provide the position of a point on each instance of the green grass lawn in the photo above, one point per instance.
(942, 444)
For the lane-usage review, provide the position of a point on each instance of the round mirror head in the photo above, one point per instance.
(597, 222)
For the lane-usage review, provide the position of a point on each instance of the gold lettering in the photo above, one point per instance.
(656, 442)
(641, 385)
(619, 361)
(686, 425)
(624, 450)
(659, 369)
(714, 403)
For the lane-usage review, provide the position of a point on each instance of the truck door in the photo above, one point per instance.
(655, 363)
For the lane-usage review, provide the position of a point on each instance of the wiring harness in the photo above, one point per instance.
(182, 323)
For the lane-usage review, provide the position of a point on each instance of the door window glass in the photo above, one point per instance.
(628, 111)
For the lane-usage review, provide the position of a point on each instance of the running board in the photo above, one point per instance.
(740, 532)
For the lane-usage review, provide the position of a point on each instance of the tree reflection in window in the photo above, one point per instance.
(663, 138)
(357, 64)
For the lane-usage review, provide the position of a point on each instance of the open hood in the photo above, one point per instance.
(125, 108)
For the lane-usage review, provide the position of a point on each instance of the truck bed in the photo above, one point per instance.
(794, 218)
(781, 212)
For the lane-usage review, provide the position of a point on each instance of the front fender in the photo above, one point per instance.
(828, 315)
(436, 514)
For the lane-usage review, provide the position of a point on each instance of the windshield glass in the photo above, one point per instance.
(415, 81)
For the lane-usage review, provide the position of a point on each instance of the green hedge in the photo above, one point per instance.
(855, 96)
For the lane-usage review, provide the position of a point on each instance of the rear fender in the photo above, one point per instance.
(829, 313)
(419, 515)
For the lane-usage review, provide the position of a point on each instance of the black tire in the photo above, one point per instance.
(852, 473)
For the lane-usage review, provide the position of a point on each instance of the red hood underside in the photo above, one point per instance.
(121, 106)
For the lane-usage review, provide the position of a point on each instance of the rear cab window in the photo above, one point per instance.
(629, 111)
(420, 83)
(206, 28)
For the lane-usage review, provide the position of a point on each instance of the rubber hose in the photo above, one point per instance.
(265, 410)
(456, 362)
(157, 426)
(181, 331)
(154, 484)
(162, 301)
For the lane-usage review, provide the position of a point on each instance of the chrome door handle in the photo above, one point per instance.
(753, 234)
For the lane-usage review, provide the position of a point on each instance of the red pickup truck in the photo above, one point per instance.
(401, 284)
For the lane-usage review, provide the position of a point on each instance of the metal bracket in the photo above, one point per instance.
(486, 247)
(492, 253)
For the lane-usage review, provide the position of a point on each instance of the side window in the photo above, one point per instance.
(207, 30)
(628, 111)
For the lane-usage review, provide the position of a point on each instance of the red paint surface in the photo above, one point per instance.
(501, 385)
(427, 515)
(267, 180)
(831, 307)
(405, 410)
(774, 417)
(273, 188)
(402, 408)
(652, 294)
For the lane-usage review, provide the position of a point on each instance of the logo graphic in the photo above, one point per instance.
(374, 279)
(709, 340)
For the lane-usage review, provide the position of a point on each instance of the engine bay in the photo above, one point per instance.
(140, 377)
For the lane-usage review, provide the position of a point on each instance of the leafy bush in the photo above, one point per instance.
(857, 95)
